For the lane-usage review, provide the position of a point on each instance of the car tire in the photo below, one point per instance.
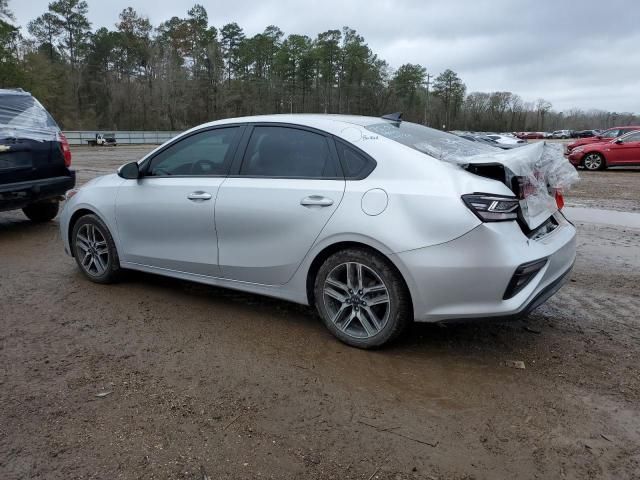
(41, 211)
(593, 161)
(94, 250)
(369, 310)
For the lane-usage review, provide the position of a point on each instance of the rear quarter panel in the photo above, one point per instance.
(424, 205)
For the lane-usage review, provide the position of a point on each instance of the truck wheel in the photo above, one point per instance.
(41, 212)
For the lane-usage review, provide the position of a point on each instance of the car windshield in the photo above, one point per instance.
(429, 140)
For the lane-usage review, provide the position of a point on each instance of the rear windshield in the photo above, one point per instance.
(24, 116)
(427, 140)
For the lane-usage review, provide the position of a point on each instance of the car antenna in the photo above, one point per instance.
(396, 117)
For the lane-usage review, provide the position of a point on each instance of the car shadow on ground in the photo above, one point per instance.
(467, 338)
(15, 223)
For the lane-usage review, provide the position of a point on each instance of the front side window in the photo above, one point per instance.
(288, 152)
(204, 153)
(611, 133)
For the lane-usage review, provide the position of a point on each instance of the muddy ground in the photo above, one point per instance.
(160, 378)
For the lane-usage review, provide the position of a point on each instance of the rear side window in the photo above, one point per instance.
(204, 153)
(288, 152)
(634, 137)
(356, 165)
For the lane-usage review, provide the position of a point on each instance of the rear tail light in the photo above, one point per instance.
(559, 199)
(492, 208)
(66, 151)
(522, 276)
(70, 193)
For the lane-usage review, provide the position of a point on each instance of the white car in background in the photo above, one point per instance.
(506, 139)
(374, 221)
(561, 134)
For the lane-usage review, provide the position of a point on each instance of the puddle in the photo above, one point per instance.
(606, 217)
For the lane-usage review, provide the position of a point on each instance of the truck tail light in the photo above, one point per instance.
(559, 199)
(66, 151)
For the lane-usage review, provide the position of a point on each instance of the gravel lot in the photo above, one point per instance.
(160, 378)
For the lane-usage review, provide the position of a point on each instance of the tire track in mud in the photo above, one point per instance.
(591, 308)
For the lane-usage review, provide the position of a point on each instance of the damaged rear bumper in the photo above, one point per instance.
(468, 277)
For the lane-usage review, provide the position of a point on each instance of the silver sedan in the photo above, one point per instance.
(362, 217)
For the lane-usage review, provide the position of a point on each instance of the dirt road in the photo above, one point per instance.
(159, 378)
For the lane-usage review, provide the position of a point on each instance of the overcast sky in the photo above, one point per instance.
(574, 53)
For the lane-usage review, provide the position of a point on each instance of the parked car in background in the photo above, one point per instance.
(34, 157)
(484, 139)
(561, 134)
(506, 140)
(608, 134)
(619, 152)
(360, 216)
(530, 135)
(587, 133)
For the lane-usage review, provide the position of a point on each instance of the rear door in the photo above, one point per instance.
(282, 193)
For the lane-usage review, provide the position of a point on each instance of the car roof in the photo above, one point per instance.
(332, 123)
(13, 91)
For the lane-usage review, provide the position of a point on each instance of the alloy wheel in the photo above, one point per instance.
(357, 300)
(92, 249)
(593, 161)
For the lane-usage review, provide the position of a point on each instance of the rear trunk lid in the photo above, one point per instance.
(537, 174)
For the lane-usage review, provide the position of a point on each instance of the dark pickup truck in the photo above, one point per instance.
(34, 158)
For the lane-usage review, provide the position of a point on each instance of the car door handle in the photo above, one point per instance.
(199, 196)
(316, 201)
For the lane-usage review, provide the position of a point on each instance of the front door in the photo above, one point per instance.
(627, 152)
(166, 218)
(270, 213)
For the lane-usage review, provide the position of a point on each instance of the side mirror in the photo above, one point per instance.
(129, 171)
(619, 141)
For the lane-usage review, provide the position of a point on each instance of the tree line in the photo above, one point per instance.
(185, 71)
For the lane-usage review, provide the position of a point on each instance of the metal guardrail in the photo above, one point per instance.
(123, 137)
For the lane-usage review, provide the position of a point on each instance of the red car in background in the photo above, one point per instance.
(530, 135)
(604, 136)
(622, 151)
